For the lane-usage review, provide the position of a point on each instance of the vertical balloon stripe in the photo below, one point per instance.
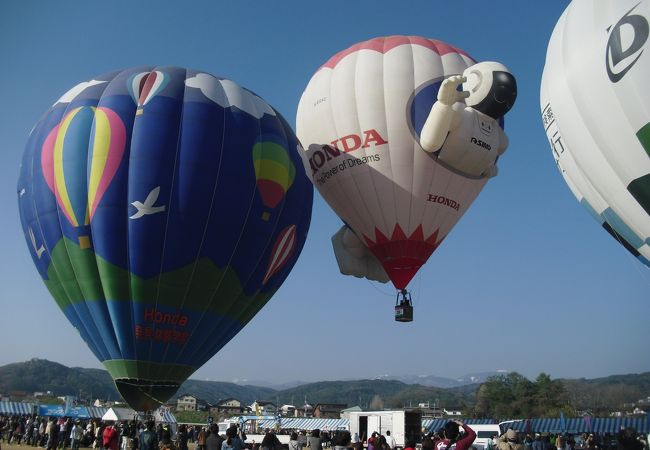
(147, 87)
(154, 83)
(47, 158)
(108, 145)
(282, 250)
(135, 84)
(60, 189)
(69, 150)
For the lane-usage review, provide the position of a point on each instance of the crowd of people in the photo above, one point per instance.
(66, 433)
(625, 439)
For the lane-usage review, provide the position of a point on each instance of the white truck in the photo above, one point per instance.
(403, 425)
(484, 432)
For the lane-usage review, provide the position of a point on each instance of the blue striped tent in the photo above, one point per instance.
(96, 412)
(582, 425)
(433, 425)
(81, 412)
(306, 423)
(165, 416)
(16, 408)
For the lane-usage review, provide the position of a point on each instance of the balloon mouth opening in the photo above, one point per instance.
(145, 395)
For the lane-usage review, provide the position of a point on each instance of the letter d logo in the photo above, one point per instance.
(616, 54)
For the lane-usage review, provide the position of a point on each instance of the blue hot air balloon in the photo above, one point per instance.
(142, 206)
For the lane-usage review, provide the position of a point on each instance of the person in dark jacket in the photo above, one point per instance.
(538, 443)
(214, 440)
(627, 440)
(182, 437)
(148, 439)
(270, 441)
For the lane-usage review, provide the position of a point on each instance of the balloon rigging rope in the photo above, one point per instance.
(376, 288)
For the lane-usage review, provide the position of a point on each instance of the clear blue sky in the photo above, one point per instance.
(527, 281)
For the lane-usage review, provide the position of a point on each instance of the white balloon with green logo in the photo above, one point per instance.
(595, 106)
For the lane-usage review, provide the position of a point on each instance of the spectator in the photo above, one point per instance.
(509, 441)
(294, 444)
(76, 434)
(270, 441)
(214, 440)
(451, 433)
(232, 441)
(341, 440)
(314, 441)
(182, 437)
(390, 440)
(110, 437)
(200, 439)
(148, 439)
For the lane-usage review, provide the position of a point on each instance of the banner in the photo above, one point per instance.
(76, 412)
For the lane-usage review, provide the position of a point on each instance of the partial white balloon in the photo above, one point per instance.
(596, 112)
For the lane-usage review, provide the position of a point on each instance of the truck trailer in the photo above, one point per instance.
(404, 425)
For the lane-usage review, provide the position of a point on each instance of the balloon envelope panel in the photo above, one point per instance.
(596, 113)
(144, 198)
(368, 104)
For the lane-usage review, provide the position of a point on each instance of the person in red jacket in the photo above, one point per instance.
(111, 437)
(450, 439)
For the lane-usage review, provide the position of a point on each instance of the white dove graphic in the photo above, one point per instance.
(39, 250)
(147, 208)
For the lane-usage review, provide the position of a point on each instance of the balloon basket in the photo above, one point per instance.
(403, 307)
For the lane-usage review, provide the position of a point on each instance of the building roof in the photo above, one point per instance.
(330, 407)
(352, 409)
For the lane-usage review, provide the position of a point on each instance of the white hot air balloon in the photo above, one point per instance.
(596, 112)
(361, 121)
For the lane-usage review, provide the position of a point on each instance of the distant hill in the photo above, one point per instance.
(40, 375)
(442, 382)
(608, 392)
(590, 394)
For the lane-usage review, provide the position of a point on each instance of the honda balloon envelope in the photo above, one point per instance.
(595, 106)
(360, 119)
(163, 207)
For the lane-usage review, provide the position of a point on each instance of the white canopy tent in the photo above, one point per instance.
(119, 414)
